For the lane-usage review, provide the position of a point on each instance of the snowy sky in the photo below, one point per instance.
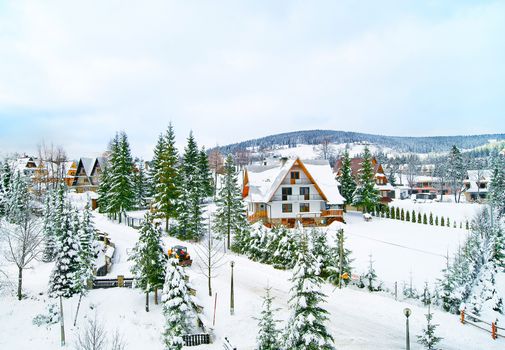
(73, 72)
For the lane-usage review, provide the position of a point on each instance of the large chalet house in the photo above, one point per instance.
(284, 191)
(476, 185)
(385, 189)
(87, 174)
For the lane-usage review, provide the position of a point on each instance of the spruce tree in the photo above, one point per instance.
(442, 221)
(419, 218)
(366, 195)
(54, 213)
(177, 308)
(431, 219)
(191, 209)
(347, 183)
(230, 217)
(17, 203)
(121, 192)
(205, 174)
(428, 339)
(402, 215)
(306, 328)
(448, 222)
(104, 189)
(87, 243)
(155, 164)
(339, 254)
(456, 172)
(436, 221)
(371, 276)
(413, 216)
(140, 185)
(497, 185)
(5, 182)
(65, 279)
(284, 257)
(165, 177)
(268, 335)
(407, 217)
(393, 213)
(148, 260)
(398, 214)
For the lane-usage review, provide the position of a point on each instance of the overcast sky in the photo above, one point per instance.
(74, 72)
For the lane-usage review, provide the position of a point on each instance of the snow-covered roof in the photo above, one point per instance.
(479, 175)
(88, 164)
(263, 180)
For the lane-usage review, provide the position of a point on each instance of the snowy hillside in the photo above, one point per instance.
(358, 319)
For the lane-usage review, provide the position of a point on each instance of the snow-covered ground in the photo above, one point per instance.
(461, 212)
(358, 319)
(313, 151)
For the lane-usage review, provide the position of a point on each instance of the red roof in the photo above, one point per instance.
(356, 166)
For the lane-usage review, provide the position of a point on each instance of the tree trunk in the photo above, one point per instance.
(147, 301)
(156, 296)
(167, 219)
(20, 283)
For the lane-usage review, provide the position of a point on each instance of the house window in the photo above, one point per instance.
(304, 207)
(286, 191)
(287, 208)
(305, 192)
(295, 175)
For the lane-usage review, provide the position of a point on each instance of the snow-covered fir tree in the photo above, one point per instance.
(320, 250)
(54, 212)
(87, 243)
(154, 165)
(347, 183)
(456, 172)
(5, 182)
(165, 177)
(428, 338)
(148, 260)
(268, 335)
(104, 188)
(205, 174)
(65, 279)
(366, 195)
(306, 328)
(497, 184)
(229, 217)
(370, 277)
(121, 193)
(177, 308)
(140, 184)
(17, 201)
(340, 254)
(258, 243)
(191, 225)
(285, 253)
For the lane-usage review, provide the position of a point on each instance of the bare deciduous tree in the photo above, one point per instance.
(413, 165)
(23, 242)
(94, 337)
(326, 149)
(216, 164)
(52, 164)
(210, 252)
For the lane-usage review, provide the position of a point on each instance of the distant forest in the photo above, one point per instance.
(398, 143)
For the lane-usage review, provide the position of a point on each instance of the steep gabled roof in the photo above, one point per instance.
(356, 165)
(262, 181)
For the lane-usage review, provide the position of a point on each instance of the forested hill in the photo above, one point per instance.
(398, 143)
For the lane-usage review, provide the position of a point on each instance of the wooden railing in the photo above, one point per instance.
(489, 327)
(262, 214)
(196, 339)
(332, 212)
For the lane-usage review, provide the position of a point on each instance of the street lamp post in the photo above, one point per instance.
(232, 296)
(407, 312)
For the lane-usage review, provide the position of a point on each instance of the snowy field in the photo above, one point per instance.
(461, 212)
(358, 319)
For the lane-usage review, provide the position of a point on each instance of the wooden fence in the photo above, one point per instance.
(112, 282)
(227, 345)
(475, 321)
(196, 339)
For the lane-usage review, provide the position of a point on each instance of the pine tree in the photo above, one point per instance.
(148, 260)
(5, 182)
(258, 243)
(334, 274)
(205, 174)
(140, 185)
(53, 219)
(121, 193)
(284, 257)
(87, 243)
(371, 276)
(104, 189)
(456, 172)
(497, 184)
(366, 195)
(268, 335)
(306, 328)
(191, 211)
(428, 339)
(230, 217)
(165, 177)
(347, 183)
(177, 307)
(65, 279)
(155, 164)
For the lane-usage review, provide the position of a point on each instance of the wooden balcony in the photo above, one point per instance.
(259, 215)
(332, 213)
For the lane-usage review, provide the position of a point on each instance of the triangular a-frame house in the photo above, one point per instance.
(291, 190)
